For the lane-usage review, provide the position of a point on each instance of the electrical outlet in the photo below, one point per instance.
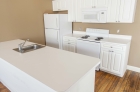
(118, 31)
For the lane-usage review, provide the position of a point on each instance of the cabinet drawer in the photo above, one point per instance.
(69, 43)
(69, 39)
(114, 46)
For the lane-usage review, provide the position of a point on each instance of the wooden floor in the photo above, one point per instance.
(3, 88)
(110, 83)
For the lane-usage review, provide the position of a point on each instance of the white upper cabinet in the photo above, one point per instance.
(87, 3)
(55, 5)
(79, 11)
(59, 5)
(72, 10)
(121, 11)
(127, 11)
(113, 10)
(101, 3)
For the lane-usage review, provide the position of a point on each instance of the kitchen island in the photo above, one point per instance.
(45, 70)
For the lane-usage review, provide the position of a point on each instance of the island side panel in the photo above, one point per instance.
(85, 84)
(18, 81)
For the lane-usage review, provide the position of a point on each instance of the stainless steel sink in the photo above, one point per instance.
(29, 48)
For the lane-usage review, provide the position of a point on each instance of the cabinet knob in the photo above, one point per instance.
(112, 51)
(116, 21)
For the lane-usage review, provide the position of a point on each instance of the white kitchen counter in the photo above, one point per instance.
(57, 69)
(111, 38)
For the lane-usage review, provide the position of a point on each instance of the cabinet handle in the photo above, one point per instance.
(116, 21)
(112, 51)
(111, 47)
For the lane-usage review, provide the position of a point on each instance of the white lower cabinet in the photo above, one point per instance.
(114, 58)
(105, 57)
(69, 44)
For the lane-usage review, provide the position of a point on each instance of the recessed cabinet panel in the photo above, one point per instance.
(59, 5)
(87, 3)
(63, 5)
(105, 56)
(72, 10)
(79, 11)
(113, 11)
(55, 5)
(127, 11)
(117, 58)
(101, 3)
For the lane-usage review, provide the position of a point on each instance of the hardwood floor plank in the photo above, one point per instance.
(118, 86)
(110, 84)
(105, 82)
(138, 84)
(112, 87)
(123, 84)
(99, 80)
(131, 82)
(3, 88)
(99, 76)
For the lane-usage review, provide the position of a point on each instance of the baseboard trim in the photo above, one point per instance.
(133, 68)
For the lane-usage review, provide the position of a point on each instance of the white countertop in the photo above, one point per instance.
(106, 39)
(55, 68)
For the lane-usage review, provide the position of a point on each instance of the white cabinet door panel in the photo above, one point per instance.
(105, 58)
(78, 11)
(116, 61)
(113, 10)
(51, 21)
(101, 3)
(71, 10)
(55, 5)
(72, 47)
(127, 11)
(87, 3)
(63, 5)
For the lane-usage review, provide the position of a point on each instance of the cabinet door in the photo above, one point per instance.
(72, 47)
(113, 10)
(116, 61)
(101, 3)
(68, 46)
(71, 10)
(55, 5)
(105, 59)
(127, 11)
(63, 5)
(87, 3)
(78, 11)
(65, 46)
